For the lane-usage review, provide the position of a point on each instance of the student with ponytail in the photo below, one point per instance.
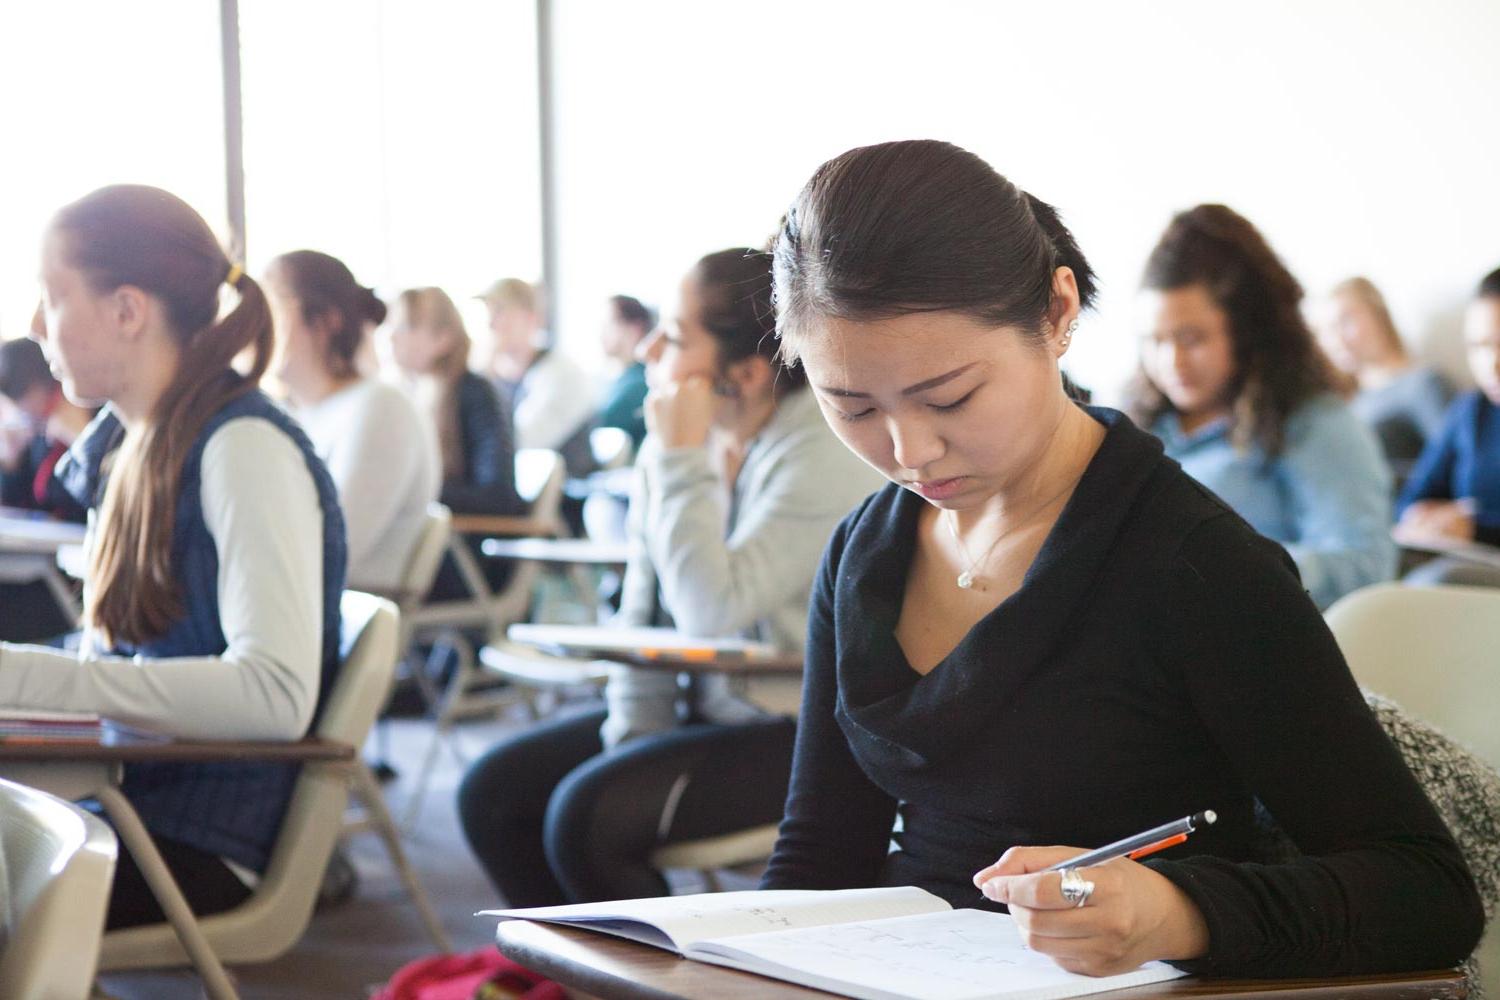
(216, 551)
(1233, 381)
(381, 453)
(1042, 632)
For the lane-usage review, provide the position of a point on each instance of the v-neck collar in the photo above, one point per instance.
(911, 720)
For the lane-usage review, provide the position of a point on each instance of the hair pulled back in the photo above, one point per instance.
(1278, 363)
(144, 237)
(334, 305)
(919, 226)
(734, 288)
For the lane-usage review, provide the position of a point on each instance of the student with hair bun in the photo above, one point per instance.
(1233, 381)
(216, 549)
(737, 487)
(380, 451)
(1043, 632)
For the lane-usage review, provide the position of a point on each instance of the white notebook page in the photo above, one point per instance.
(952, 955)
(686, 919)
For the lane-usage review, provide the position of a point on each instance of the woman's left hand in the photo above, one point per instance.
(1133, 916)
(682, 413)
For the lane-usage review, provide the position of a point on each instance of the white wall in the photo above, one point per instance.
(1360, 136)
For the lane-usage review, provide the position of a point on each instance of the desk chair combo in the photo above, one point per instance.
(449, 624)
(272, 920)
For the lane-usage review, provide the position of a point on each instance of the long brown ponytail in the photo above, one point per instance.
(152, 240)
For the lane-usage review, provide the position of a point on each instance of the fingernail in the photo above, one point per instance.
(993, 890)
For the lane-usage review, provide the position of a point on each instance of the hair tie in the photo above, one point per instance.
(235, 274)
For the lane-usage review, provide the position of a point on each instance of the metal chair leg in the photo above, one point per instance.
(372, 799)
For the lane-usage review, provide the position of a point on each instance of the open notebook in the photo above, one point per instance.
(875, 944)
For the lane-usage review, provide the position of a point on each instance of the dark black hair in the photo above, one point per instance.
(735, 286)
(631, 310)
(1489, 286)
(919, 226)
(329, 294)
(23, 367)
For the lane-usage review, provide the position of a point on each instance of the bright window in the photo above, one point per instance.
(398, 136)
(100, 92)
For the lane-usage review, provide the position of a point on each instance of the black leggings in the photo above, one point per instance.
(206, 882)
(553, 819)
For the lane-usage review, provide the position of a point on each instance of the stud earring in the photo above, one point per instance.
(1067, 338)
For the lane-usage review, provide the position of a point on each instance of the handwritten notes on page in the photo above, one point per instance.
(947, 955)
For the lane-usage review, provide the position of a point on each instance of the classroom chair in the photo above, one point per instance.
(272, 920)
(1435, 651)
(56, 865)
(611, 448)
(449, 624)
(711, 855)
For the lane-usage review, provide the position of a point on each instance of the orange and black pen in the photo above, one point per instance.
(1148, 842)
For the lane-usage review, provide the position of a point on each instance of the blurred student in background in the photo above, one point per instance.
(474, 440)
(738, 487)
(1402, 401)
(1235, 386)
(551, 399)
(626, 326)
(381, 453)
(38, 426)
(1453, 495)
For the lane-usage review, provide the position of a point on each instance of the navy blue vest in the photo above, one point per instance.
(232, 810)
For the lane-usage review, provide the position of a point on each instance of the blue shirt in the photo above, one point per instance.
(1463, 461)
(1326, 497)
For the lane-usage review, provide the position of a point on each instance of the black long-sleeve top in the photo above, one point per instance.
(488, 485)
(1160, 658)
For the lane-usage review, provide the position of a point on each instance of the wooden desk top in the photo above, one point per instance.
(122, 748)
(24, 531)
(509, 527)
(656, 649)
(579, 551)
(1474, 552)
(615, 969)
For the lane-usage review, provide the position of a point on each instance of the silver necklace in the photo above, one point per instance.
(966, 578)
(969, 577)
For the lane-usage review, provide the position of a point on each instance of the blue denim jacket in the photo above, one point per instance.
(1326, 497)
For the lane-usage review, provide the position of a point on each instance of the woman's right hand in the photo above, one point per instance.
(1429, 521)
(680, 414)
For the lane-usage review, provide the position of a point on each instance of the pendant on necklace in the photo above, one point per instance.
(966, 580)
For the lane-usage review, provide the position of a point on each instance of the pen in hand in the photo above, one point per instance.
(1146, 842)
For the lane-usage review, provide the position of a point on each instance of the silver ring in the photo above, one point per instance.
(1075, 888)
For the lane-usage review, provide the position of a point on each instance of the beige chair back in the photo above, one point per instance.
(56, 865)
(426, 555)
(612, 447)
(273, 919)
(1435, 651)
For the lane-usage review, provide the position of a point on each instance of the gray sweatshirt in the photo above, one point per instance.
(731, 564)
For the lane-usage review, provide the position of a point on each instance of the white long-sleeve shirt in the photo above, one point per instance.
(731, 562)
(552, 401)
(383, 457)
(260, 505)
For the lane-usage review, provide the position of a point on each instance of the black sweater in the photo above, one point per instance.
(1160, 658)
